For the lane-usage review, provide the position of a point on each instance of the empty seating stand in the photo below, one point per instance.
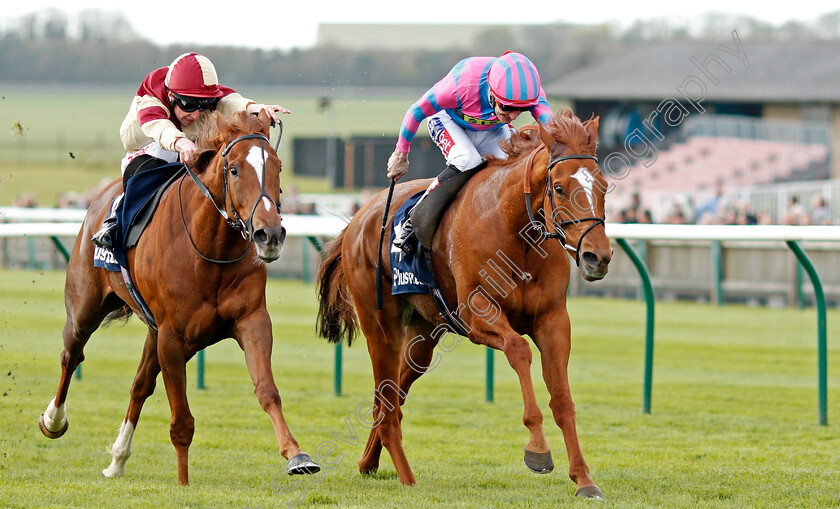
(703, 162)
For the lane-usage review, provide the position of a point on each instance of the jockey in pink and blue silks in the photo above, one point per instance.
(469, 113)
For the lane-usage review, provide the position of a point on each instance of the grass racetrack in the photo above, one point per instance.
(734, 421)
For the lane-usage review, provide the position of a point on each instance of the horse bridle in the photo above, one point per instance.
(558, 233)
(245, 228)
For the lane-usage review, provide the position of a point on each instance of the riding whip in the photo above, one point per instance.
(379, 251)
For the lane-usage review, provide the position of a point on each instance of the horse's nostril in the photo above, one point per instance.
(590, 258)
(260, 237)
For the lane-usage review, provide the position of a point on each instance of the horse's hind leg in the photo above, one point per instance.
(385, 349)
(141, 389)
(416, 358)
(87, 305)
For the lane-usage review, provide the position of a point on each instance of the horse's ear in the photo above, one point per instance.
(546, 137)
(203, 159)
(592, 128)
(221, 124)
(265, 121)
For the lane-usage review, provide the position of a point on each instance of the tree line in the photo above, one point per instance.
(103, 48)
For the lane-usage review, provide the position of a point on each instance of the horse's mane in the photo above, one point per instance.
(212, 138)
(564, 126)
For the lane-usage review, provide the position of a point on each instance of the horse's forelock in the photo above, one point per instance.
(567, 128)
(211, 137)
(218, 128)
(564, 127)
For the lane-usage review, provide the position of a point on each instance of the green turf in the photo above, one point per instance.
(734, 420)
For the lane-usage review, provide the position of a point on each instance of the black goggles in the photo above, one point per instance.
(506, 108)
(190, 104)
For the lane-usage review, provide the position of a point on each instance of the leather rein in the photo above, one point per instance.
(245, 228)
(558, 233)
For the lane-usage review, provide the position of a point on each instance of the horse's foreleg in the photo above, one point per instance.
(537, 453)
(553, 338)
(182, 426)
(141, 389)
(255, 339)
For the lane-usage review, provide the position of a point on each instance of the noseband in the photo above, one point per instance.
(558, 233)
(245, 228)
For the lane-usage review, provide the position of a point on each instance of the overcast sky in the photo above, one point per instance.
(283, 24)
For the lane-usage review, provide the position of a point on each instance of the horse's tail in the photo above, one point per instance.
(119, 315)
(336, 316)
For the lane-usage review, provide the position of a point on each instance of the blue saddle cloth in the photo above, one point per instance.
(410, 272)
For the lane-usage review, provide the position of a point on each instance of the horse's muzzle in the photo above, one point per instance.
(594, 267)
(269, 241)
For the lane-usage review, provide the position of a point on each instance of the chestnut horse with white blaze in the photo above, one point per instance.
(203, 278)
(501, 259)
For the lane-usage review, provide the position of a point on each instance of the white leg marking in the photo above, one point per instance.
(120, 451)
(55, 417)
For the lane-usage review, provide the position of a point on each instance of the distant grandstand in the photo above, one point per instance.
(728, 115)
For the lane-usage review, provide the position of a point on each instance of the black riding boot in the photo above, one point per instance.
(104, 238)
(402, 237)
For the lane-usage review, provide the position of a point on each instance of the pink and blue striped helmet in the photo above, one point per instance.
(514, 80)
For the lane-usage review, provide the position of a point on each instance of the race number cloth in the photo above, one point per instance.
(410, 272)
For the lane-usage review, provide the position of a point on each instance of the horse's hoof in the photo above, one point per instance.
(592, 492)
(52, 434)
(302, 464)
(539, 462)
(368, 470)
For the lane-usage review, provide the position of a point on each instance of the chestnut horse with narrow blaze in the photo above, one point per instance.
(490, 220)
(203, 278)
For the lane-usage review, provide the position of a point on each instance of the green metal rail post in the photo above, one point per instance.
(200, 370)
(488, 386)
(717, 270)
(337, 368)
(822, 342)
(648, 290)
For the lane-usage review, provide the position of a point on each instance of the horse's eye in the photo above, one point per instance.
(559, 190)
(234, 170)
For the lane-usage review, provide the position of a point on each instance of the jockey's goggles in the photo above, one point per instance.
(190, 104)
(504, 107)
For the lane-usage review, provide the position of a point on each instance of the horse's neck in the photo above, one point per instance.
(511, 193)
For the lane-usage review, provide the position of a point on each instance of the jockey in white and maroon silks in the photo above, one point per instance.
(168, 113)
(469, 112)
